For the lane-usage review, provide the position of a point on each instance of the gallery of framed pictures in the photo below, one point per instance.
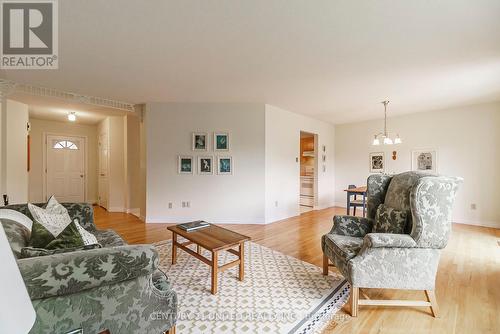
(422, 160)
(205, 165)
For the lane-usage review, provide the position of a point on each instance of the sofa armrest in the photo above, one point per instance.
(351, 226)
(67, 273)
(84, 212)
(388, 240)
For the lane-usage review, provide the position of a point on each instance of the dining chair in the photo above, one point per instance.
(356, 202)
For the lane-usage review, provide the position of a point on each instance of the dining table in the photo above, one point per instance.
(356, 191)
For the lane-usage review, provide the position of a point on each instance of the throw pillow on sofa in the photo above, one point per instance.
(53, 228)
(389, 220)
(87, 237)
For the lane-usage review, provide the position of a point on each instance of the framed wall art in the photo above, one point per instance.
(224, 165)
(377, 162)
(185, 164)
(221, 141)
(205, 165)
(424, 161)
(199, 141)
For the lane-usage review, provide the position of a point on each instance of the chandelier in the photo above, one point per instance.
(385, 135)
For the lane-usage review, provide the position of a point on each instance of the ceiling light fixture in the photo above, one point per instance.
(386, 140)
(72, 116)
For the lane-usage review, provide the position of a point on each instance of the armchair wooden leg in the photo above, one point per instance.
(431, 297)
(325, 264)
(354, 301)
(171, 330)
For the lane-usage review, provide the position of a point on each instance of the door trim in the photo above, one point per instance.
(104, 132)
(85, 162)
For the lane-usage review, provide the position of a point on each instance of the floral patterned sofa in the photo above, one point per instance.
(117, 287)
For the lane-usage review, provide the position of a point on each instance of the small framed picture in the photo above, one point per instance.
(200, 141)
(224, 165)
(424, 161)
(205, 165)
(185, 164)
(221, 141)
(377, 162)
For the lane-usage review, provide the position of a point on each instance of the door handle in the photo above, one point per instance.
(103, 174)
(81, 175)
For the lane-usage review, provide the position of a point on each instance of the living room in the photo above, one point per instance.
(155, 185)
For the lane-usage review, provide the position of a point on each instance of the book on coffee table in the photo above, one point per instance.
(192, 226)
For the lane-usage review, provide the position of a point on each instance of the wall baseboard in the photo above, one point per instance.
(116, 209)
(135, 211)
(325, 206)
(180, 220)
(479, 223)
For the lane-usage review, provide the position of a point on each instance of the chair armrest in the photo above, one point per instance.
(388, 240)
(67, 273)
(351, 226)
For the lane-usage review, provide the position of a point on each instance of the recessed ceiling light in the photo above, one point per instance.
(71, 117)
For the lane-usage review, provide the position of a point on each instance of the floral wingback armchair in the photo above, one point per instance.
(397, 246)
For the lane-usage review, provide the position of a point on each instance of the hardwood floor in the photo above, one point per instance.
(467, 287)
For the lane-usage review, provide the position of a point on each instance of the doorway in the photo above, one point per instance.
(103, 170)
(308, 171)
(65, 168)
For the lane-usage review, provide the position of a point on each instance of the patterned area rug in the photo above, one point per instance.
(280, 294)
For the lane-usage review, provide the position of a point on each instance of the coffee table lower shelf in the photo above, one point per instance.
(213, 262)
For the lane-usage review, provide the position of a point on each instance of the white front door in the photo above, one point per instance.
(66, 168)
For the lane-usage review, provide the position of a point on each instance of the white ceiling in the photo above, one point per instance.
(333, 60)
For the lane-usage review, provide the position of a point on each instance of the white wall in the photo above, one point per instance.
(16, 154)
(117, 179)
(237, 198)
(283, 171)
(143, 162)
(114, 126)
(132, 164)
(36, 175)
(467, 140)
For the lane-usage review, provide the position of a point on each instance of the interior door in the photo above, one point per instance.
(103, 170)
(65, 171)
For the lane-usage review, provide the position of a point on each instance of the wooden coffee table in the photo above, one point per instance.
(214, 239)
